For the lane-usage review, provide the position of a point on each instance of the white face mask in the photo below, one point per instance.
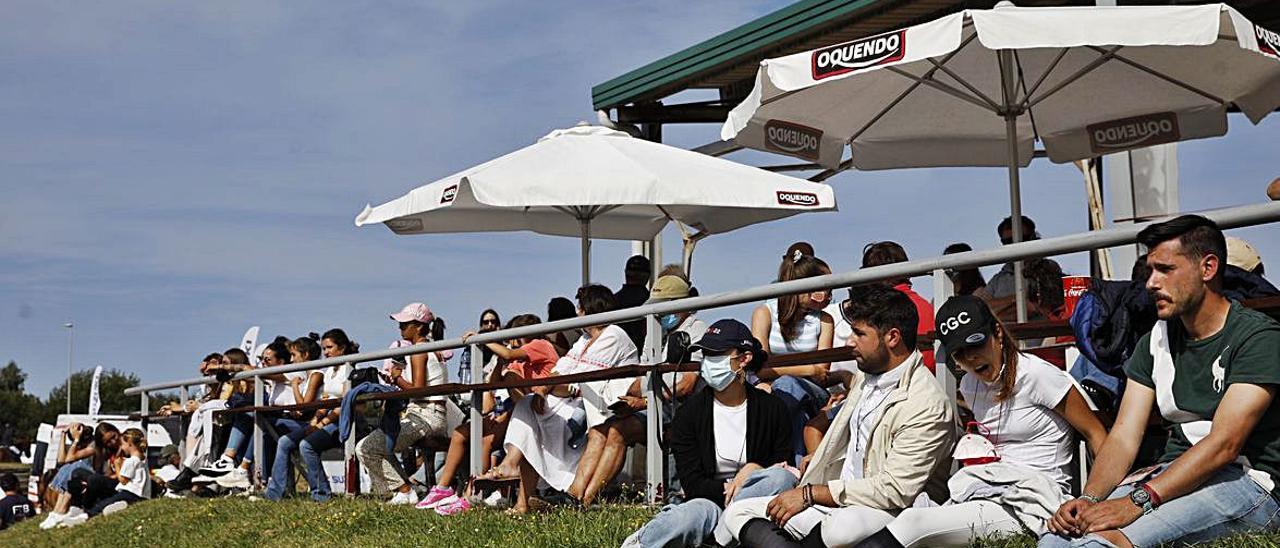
(718, 371)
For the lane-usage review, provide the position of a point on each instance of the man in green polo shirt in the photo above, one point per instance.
(1210, 367)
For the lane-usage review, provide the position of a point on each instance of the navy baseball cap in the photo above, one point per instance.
(964, 321)
(726, 335)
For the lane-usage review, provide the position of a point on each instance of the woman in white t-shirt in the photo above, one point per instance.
(548, 429)
(1018, 462)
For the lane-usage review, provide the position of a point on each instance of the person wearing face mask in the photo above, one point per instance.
(889, 444)
(792, 324)
(728, 440)
(1026, 414)
(607, 443)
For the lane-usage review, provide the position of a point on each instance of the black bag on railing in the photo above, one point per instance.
(361, 375)
(678, 343)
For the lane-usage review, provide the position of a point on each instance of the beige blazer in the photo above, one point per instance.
(909, 451)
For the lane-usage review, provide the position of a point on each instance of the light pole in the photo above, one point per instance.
(71, 337)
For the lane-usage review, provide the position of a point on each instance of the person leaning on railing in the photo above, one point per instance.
(548, 429)
(791, 324)
(426, 419)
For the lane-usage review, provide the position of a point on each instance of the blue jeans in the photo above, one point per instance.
(803, 399)
(689, 523)
(241, 438)
(63, 476)
(277, 454)
(1229, 503)
(311, 447)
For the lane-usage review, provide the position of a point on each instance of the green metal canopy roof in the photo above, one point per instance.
(728, 62)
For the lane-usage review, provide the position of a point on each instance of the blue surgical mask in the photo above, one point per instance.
(669, 321)
(718, 372)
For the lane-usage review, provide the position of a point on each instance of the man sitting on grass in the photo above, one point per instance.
(1210, 367)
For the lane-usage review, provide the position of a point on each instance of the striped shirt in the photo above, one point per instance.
(806, 337)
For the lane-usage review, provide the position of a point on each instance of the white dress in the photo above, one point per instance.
(544, 438)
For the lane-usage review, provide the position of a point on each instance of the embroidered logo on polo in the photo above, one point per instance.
(449, 194)
(803, 199)
(1135, 132)
(1219, 372)
(1268, 41)
(795, 139)
(860, 54)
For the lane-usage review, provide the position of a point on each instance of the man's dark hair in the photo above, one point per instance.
(595, 299)
(883, 308)
(1199, 237)
(1028, 225)
(883, 253)
(8, 482)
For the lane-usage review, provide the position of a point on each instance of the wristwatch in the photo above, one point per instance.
(1141, 498)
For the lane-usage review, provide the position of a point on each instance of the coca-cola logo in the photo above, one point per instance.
(1135, 132)
(803, 199)
(859, 54)
(795, 139)
(449, 194)
(1268, 41)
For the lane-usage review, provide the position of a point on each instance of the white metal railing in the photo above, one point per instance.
(1226, 218)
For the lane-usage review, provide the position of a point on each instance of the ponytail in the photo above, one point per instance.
(436, 328)
(280, 347)
(797, 267)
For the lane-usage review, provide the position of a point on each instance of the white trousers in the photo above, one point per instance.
(954, 525)
(840, 526)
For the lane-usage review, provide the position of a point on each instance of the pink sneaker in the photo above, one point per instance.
(434, 497)
(455, 507)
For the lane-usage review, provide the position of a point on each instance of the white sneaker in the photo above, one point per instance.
(495, 499)
(223, 466)
(52, 520)
(72, 521)
(114, 507)
(73, 512)
(409, 498)
(237, 478)
(172, 495)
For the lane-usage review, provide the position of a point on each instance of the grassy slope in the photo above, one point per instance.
(239, 522)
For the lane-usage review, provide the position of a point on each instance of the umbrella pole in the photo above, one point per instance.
(1015, 186)
(585, 224)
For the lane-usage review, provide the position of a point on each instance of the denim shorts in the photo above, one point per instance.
(63, 477)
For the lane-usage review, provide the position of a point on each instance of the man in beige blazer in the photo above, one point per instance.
(890, 443)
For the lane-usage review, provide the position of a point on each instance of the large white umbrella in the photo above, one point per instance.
(594, 182)
(978, 87)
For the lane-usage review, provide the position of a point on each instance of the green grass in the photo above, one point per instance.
(238, 522)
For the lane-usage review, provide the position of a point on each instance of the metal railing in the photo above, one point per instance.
(1226, 218)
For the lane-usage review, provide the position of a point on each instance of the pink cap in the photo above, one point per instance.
(414, 312)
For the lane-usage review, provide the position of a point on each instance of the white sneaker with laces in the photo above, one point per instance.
(114, 507)
(72, 521)
(222, 466)
(409, 498)
(237, 478)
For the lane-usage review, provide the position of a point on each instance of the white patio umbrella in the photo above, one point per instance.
(978, 87)
(594, 182)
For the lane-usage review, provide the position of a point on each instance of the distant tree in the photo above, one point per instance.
(17, 408)
(111, 388)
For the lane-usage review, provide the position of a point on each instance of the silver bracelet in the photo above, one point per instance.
(1090, 498)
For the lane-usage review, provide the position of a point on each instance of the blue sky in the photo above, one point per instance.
(174, 173)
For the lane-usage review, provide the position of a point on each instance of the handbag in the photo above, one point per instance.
(362, 375)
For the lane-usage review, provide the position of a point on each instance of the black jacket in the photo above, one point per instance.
(693, 440)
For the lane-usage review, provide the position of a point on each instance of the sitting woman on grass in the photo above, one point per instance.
(133, 477)
(89, 450)
(1018, 463)
(528, 358)
(548, 429)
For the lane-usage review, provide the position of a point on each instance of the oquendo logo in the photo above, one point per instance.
(1268, 41)
(449, 194)
(1138, 131)
(859, 54)
(803, 199)
(794, 139)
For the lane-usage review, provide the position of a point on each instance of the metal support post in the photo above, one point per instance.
(943, 289)
(477, 420)
(350, 465)
(183, 420)
(258, 451)
(146, 401)
(655, 460)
